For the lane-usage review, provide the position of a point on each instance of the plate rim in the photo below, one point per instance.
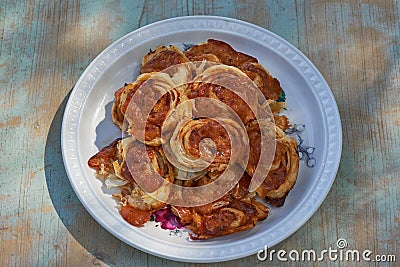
(208, 19)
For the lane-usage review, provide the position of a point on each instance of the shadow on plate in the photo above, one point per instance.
(106, 130)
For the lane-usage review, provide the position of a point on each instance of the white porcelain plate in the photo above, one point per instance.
(87, 127)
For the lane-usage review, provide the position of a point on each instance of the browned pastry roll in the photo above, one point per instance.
(228, 85)
(123, 164)
(123, 96)
(141, 107)
(284, 169)
(207, 142)
(235, 212)
(221, 50)
(268, 85)
(162, 58)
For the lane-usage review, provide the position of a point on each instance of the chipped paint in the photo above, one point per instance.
(11, 123)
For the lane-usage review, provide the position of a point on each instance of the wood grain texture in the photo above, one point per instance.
(46, 45)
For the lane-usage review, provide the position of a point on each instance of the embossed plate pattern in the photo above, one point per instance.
(87, 127)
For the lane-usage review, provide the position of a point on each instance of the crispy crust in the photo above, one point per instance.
(123, 97)
(102, 161)
(283, 173)
(221, 50)
(162, 58)
(268, 85)
(235, 212)
(122, 159)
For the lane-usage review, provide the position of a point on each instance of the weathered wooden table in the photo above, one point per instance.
(46, 45)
